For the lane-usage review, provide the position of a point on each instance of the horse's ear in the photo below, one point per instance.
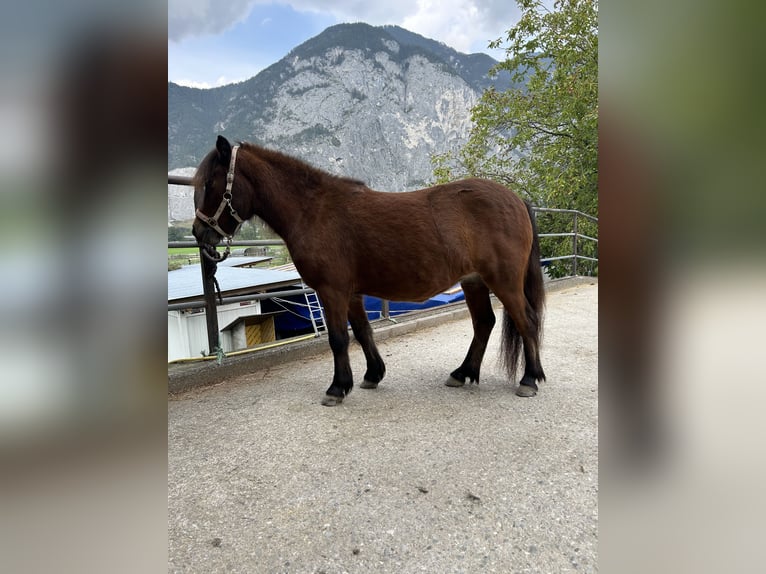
(224, 149)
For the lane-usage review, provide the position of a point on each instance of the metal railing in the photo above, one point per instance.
(209, 298)
(199, 304)
(574, 234)
(180, 180)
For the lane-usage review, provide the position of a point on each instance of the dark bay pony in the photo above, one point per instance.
(347, 240)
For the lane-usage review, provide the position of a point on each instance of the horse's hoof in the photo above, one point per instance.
(368, 385)
(453, 382)
(526, 391)
(331, 400)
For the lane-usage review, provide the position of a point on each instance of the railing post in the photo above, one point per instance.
(211, 311)
(574, 247)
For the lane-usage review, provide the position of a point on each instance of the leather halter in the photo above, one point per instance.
(225, 201)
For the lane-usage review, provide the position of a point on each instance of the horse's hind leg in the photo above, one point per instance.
(521, 326)
(357, 316)
(483, 319)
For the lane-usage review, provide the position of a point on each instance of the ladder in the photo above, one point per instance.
(316, 312)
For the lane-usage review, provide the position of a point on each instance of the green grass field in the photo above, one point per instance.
(182, 250)
(179, 256)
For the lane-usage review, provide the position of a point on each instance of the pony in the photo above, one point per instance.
(347, 240)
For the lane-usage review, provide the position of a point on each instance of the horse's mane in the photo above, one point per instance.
(290, 164)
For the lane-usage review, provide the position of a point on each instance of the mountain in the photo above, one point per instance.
(472, 68)
(373, 103)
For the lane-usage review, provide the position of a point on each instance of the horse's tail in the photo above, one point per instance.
(534, 295)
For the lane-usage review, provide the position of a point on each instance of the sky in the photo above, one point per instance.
(212, 43)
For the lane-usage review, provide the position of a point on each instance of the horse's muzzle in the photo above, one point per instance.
(204, 234)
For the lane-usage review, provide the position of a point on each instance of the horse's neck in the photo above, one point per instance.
(279, 205)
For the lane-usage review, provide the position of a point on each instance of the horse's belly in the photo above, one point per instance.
(400, 295)
(417, 286)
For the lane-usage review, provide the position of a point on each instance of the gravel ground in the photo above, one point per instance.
(411, 477)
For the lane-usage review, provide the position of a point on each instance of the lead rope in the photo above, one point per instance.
(213, 258)
(209, 251)
(211, 266)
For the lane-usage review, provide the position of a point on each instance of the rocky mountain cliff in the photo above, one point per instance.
(373, 103)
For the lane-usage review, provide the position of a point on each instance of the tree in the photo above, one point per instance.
(540, 137)
(178, 233)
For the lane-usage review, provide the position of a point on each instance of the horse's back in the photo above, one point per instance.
(485, 226)
(430, 238)
(482, 208)
(449, 216)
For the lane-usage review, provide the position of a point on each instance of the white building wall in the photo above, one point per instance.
(197, 334)
(187, 332)
(239, 337)
(178, 339)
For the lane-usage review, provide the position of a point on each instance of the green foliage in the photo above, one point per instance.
(315, 132)
(178, 233)
(541, 139)
(255, 229)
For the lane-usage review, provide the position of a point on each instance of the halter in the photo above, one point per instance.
(225, 201)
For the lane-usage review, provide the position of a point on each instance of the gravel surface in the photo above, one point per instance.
(413, 476)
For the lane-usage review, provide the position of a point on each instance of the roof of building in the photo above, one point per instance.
(243, 261)
(186, 283)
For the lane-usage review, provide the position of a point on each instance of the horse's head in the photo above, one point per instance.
(214, 191)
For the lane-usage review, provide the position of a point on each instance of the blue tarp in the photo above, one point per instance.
(296, 320)
(373, 304)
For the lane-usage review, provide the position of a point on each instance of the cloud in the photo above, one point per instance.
(220, 81)
(453, 22)
(188, 18)
(193, 84)
(204, 45)
(460, 24)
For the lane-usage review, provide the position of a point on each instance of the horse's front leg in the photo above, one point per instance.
(360, 325)
(336, 316)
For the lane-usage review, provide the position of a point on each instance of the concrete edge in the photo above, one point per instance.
(186, 376)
